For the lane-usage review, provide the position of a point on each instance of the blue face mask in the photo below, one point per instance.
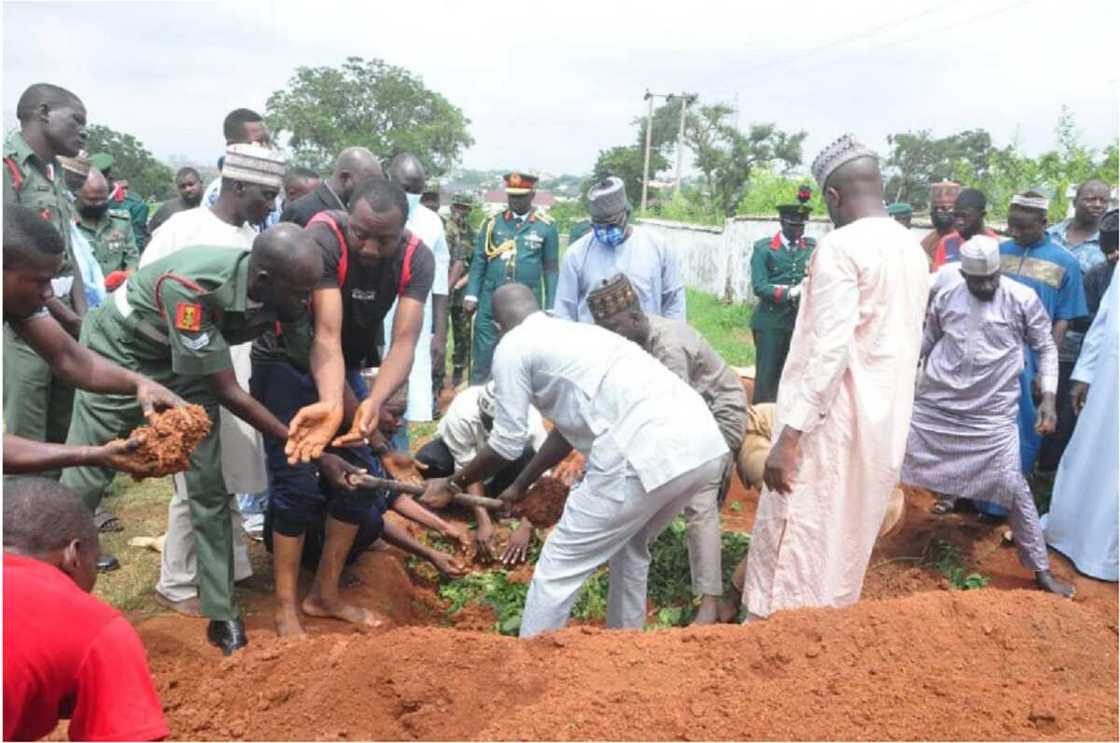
(610, 235)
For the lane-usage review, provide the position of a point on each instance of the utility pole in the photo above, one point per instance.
(649, 135)
(686, 100)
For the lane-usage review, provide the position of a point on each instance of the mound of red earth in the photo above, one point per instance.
(543, 504)
(169, 438)
(938, 665)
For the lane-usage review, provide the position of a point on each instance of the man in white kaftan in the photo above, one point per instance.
(1082, 523)
(845, 397)
(228, 223)
(649, 440)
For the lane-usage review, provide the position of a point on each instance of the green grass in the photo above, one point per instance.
(142, 508)
(725, 326)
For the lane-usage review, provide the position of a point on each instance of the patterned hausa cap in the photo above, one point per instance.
(980, 256)
(251, 163)
(843, 150)
(613, 296)
(944, 193)
(1031, 200)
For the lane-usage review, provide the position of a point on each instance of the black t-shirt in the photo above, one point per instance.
(367, 296)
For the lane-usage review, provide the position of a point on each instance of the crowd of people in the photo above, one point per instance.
(309, 316)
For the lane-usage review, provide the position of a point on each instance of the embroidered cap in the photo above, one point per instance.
(980, 256)
(842, 151)
(251, 163)
(1031, 200)
(613, 296)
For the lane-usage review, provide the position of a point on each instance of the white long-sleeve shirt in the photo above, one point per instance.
(611, 401)
(461, 427)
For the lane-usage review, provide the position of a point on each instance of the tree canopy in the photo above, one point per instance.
(147, 177)
(368, 103)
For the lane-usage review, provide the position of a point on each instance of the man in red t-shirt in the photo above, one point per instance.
(969, 211)
(66, 653)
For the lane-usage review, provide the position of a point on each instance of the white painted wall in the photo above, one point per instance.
(718, 260)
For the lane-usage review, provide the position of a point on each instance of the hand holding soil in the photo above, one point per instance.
(155, 397)
(163, 447)
(544, 503)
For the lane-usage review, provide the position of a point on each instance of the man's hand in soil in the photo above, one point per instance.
(311, 431)
(484, 541)
(781, 464)
(570, 470)
(1047, 415)
(118, 455)
(403, 468)
(449, 565)
(338, 471)
(511, 496)
(438, 494)
(518, 548)
(461, 535)
(153, 396)
(365, 424)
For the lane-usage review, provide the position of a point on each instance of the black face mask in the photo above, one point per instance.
(93, 211)
(941, 220)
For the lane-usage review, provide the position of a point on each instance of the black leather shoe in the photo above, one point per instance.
(229, 634)
(107, 563)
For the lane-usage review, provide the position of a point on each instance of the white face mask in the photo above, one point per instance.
(413, 202)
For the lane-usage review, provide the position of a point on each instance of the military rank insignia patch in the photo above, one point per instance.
(188, 316)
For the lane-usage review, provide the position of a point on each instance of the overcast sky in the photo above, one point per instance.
(549, 84)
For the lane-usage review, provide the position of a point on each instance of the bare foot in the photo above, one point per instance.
(313, 606)
(708, 613)
(1047, 582)
(288, 623)
(729, 608)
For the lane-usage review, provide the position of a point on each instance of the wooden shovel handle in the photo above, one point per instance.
(466, 499)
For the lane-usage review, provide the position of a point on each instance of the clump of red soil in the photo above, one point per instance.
(169, 438)
(940, 665)
(544, 503)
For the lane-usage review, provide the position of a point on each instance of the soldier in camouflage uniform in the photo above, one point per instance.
(460, 243)
(52, 123)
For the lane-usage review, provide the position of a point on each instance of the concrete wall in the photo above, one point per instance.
(717, 260)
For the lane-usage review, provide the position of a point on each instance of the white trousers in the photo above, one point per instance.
(178, 570)
(609, 517)
(704, 561)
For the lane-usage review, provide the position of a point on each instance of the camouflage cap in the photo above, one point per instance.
(462, 198)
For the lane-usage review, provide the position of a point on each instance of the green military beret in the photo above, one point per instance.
(899, 208)
(101, 160)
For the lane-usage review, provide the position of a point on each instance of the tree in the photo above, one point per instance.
(727, 156)
(147, 177)
(918, 159)
(628, 164)
(368, 103)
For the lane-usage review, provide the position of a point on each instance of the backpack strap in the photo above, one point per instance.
(344, 250)
(17, 176)
(406, 268)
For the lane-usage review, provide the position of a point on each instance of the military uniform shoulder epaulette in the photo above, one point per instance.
(763, 241)
(545, 218)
